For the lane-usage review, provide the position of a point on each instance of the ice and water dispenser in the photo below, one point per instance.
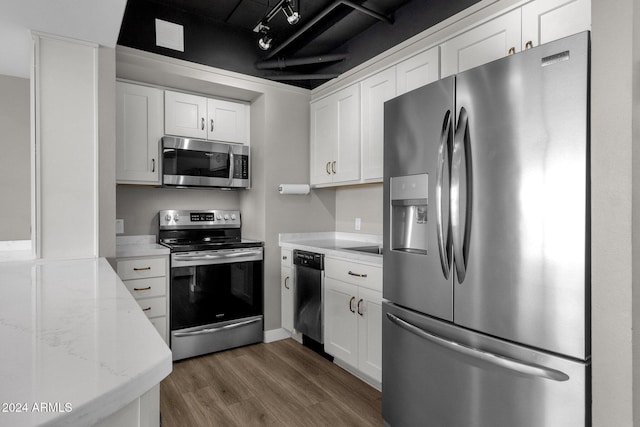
(409, 200)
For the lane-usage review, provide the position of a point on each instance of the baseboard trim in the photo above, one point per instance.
(276, 335)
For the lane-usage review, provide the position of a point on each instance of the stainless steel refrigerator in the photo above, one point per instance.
(487, 253)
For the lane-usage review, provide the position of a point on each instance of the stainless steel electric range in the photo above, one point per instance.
(216, 285)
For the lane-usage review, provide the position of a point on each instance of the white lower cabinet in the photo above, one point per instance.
(353, 315)
(147, 280)
(286, 290)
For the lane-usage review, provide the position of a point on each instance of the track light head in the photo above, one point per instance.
(264, 41)
(292, 17)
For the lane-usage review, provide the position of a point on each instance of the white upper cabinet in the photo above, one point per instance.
(194, 116)
(138, 133)
(185, 115)
(227, 121)
(417, 71)
(335, 138)
(375, 91)
(547, 20)
(484, 43)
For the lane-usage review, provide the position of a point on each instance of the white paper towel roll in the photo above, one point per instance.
(293, 188)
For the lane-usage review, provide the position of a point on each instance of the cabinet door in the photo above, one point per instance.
(286, 294)
(185, 115)
(345, 166)
(369, 310)
(138, 133)
(374, 92)
(323, 136)
(485, 43)
(341, 323)
(227, 121)
(547, 20)
(418, 71)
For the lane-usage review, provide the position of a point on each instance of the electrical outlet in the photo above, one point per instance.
(358, 224)
(119, 226)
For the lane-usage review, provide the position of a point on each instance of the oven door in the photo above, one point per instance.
(216, 300)
(215, 286)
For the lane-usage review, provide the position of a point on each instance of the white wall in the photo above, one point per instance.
(364, 202)
(15, 161)
(615, 181)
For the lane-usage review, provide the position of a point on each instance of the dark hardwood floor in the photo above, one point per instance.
(276, 384)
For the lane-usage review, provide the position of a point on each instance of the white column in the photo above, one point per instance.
(64, 96)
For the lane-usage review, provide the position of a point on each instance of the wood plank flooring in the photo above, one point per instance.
(277, 384)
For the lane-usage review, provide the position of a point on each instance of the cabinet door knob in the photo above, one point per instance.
(351, 304)
(512, 51)
(528, 45)
(360, 311)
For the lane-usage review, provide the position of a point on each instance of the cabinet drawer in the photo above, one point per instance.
(142, 268)
(355, 273)
(160, 323)
(145, 288)
(286, 257)
(153, 307)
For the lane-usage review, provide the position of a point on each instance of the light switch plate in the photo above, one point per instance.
(358, 224)
(119, 226)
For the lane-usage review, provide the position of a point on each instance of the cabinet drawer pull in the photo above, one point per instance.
(286, 282)
(327, 168)
(142, 289)
(141, 268)
(360, 311)
(202, 123)
(146, 309)
(351, 304)
(351, 273)
(211, 125)
(528, 45)
(333, 166)
(153, 165)
(512, 51)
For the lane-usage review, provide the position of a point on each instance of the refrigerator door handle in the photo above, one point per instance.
(492, 358)
(460, 154)
(443, 156)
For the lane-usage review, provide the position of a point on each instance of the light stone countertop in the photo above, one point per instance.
(334, 244)
(74, 339)
(144, 245)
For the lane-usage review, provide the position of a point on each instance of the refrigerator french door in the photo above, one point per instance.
(487, 233)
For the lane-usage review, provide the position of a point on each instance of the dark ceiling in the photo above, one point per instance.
(331, 37)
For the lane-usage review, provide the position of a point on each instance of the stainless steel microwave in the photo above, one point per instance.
(190, 162)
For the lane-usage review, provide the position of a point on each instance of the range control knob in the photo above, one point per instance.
(176, 218)
(233, 217)
(226, 217)
(167, 218)
(219, 217)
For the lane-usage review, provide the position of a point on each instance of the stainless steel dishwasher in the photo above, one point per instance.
(309, 287)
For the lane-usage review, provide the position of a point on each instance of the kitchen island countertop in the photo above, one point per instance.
(76, 346)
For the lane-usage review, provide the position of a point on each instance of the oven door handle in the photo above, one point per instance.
(214, 330)
(211, 256)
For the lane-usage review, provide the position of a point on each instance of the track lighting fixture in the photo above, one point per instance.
(264, 41)
(292, 16)
(287, 7)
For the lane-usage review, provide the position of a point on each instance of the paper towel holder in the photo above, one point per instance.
(298, 189)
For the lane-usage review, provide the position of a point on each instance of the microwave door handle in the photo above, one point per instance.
(231, 165)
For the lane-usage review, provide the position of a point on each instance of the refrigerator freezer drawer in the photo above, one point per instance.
(437, 374)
